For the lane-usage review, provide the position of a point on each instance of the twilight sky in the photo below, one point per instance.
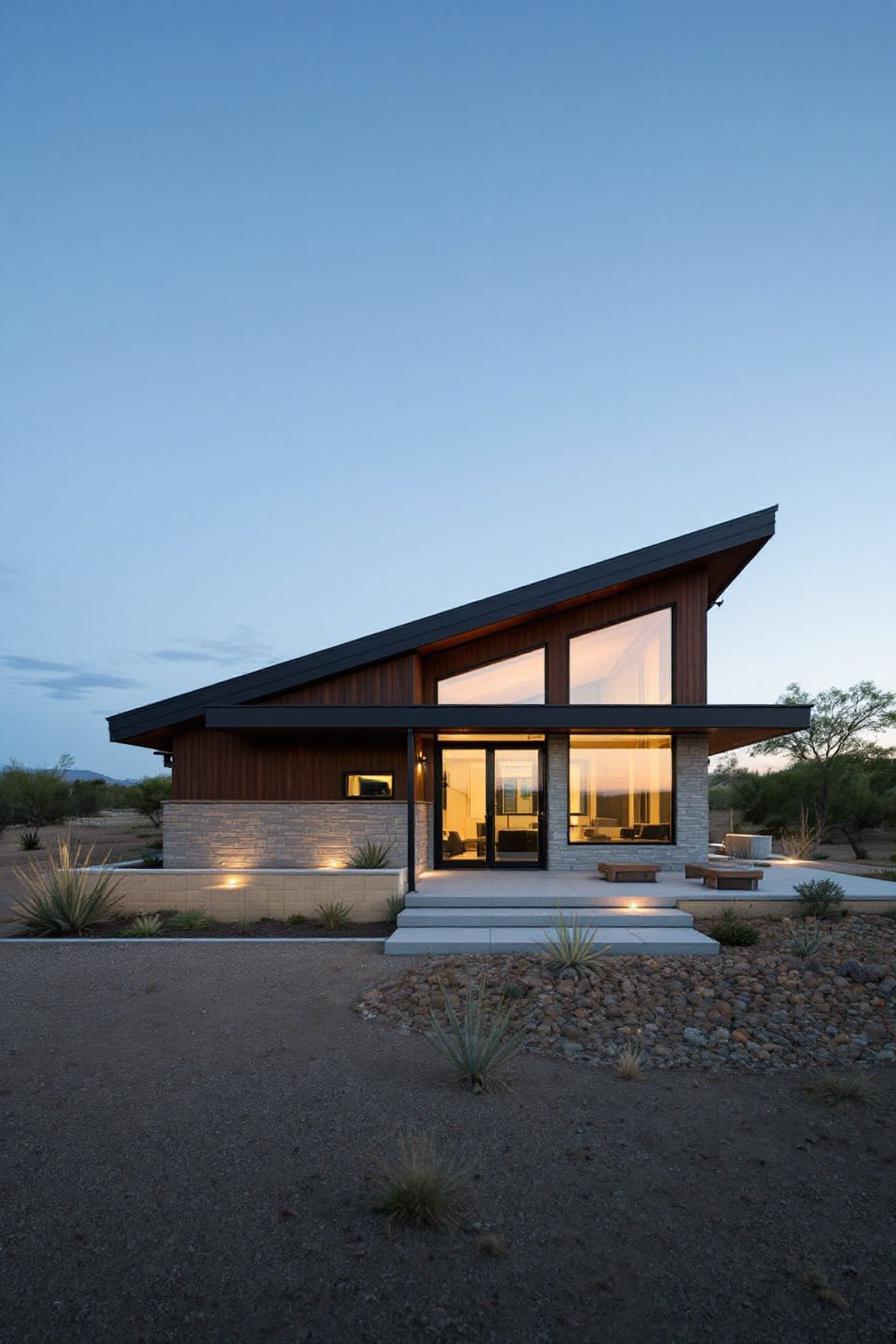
(318, 317)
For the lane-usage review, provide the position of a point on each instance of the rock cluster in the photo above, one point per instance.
(749, 1008)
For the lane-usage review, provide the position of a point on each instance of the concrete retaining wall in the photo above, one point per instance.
(246, 893)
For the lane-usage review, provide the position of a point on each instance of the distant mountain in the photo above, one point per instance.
(72, 775)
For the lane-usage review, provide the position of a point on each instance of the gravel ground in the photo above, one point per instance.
(190, 1133)
(755, 1008)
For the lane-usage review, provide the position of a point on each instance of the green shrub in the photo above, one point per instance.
(64, 898)
(423, 1184)
(570, 947)
(478, 1044)
(151, 857)
(334, 914)
(806, 940)
(394, 907)
(819, 898)
(732, 930)
(189, 921)
(370, 854)
(297, 918)
(144, 926)
(30, 840)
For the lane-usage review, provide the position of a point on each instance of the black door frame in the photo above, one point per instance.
(489, 861)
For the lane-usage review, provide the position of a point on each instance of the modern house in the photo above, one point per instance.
(552, 725)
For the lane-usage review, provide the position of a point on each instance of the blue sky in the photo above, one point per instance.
(318, 317)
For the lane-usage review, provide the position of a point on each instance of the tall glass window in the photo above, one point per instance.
(620, 790)
(512, 681)
(629, 663)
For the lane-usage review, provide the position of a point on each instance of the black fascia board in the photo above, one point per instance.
(528, 599)
(507, 718)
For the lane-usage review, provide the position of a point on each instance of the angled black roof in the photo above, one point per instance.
(747, 534)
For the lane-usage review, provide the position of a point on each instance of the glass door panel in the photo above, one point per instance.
(463, 805)
(516, 809)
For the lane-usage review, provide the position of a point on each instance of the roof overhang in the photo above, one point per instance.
(723, 550)
(728, 726)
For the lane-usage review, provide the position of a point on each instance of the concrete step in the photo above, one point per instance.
(445, 917)
(604, 897)
(652, 942)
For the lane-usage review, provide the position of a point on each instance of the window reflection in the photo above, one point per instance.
(512, 681)
(620, 790)
(625, 664)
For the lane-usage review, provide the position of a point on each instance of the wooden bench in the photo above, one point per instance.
(629, 872)
(732, 879)
(695, 869)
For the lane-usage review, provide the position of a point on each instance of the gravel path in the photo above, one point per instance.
(189, 1134)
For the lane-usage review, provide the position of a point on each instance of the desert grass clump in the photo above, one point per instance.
(297, 918)
(819, 898)
(835, 1087)
(629, 1065)
(806, 939)
(190, 921)
(66, 898)
(394, 907)
(818, 1282)
(30, 840)
(423, 1184)
(570, 947)
(370, 854)
(334, 914)
(802, 840)
(478, 1042)
(732, 930)
(144, 926)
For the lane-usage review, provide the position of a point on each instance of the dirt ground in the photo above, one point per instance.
(121, 835)
(880, 845)
(191, 1135)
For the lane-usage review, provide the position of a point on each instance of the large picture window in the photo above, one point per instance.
(629, 663)
(518, 680)
(620, 790)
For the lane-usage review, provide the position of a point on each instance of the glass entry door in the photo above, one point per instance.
(491, 809)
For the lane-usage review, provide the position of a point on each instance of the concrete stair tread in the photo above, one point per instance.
(617, 941)
(602, 898)
(541, 916)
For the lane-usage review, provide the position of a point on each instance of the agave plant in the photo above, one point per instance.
(480, 1042)
(570, 947)
(66, 897)
(144, 926)
(30, 840)
(806, 939)
(370, 854)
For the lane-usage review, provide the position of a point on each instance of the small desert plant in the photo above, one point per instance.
(370, 854)
(480, 1042)
(805, 940)
(570, 947)
(30, 840)
(151, 857)
(836, 1087)
(190, 921)
(818, 1282)
(144, 926)
(629, 1064)
(820, 897)
(65, 897)
(732, 930)
(297, 918)
(394, 907)
(334, 914)
(802, 840)
(887, 874)
(423, 1184)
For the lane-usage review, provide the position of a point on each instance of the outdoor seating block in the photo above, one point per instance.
(732, 879)
(628, 872)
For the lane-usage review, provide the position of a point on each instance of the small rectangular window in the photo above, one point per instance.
(369, 786)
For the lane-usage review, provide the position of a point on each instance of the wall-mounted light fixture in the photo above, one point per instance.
(421, 758)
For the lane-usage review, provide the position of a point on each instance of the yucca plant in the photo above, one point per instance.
(570, 947)
(480, 1042)
(65, 898)
(423, 1184)
(144, 926)
(394, 907)
(190, 921)
(805, 940)
(30, 840)
(370, 854)
(334, 914)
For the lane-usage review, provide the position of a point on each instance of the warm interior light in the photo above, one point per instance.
(633, 905)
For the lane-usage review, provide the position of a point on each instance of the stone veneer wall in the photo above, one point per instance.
(691, 813)
(286, 835)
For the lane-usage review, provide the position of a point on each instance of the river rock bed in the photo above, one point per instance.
(753, 1008)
